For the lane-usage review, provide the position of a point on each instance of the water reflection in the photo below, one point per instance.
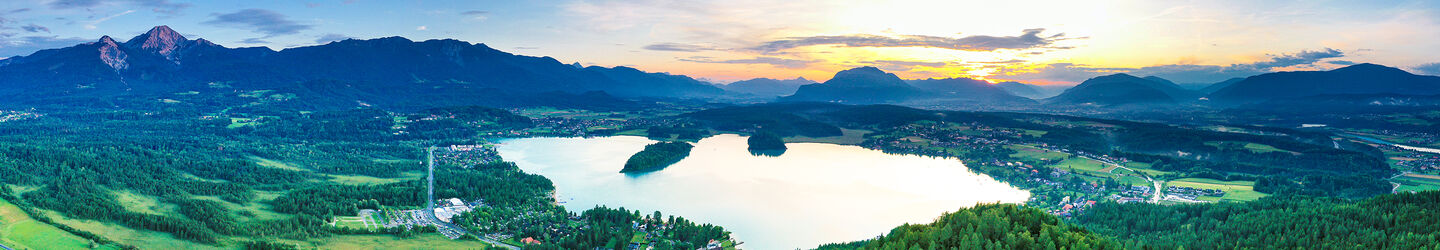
(808, 195)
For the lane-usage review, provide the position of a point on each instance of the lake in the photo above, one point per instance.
(812, 194)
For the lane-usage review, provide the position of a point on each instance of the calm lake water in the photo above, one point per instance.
(813, 194)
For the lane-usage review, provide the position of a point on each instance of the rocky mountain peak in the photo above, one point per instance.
(160, 40)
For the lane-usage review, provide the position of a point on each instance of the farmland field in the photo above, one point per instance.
(1234, 190)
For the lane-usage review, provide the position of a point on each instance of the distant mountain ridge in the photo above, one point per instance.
(863, 85)
(1359, 79)
(1124, 89)
(870, 85)
(397, 69)
(767, 87)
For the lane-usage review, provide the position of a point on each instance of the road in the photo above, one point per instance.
(447, 229)
(1158, 194)
(5, 247)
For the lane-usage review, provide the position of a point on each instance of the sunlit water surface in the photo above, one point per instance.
(812, 194)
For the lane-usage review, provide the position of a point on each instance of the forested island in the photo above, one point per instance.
(657, 156)
(763, 143)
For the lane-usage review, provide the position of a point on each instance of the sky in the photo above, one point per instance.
(1041, 42)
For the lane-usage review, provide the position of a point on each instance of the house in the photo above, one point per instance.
(529, 240)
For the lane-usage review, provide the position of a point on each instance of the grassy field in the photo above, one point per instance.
(1025, 152)
(1081, 164)
(1234, 190)
(1253, 147)
(236, 122)
(1417, 182)
(275, 164)
(352, 222)
(19, 231)
(848, 137)
(369, 180)
(140, 203)
(125, 235)
(424, 241)
(1144, 168)
(156, 240)
(259, 209)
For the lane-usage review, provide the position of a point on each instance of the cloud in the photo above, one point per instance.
(1342, 62)
(422, 27)
(93, 24)
(35, 28)
(255, 40)
(1054, 72)
(478, 15)
(19, 10)
(681, 47)
(1428, 69)
(327, 38)
(1181, 73)
(73, 4)
(900, 66)
(1029, 39)
(18, 46)
(261, 21)
(778, 62)
(157, 6)
(1304, 57)
(162, 6)
(1190, 73)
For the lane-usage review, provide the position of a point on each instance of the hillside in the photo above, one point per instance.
(863, 85)
(390, 72)
(766, 87)
(1123, 89)
(1359, 79)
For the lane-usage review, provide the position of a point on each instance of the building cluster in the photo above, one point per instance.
(1068, 206)
(1422, 162)
(1189, 193)
(467, 155)
(9, 115)
(449, 208)
(564, 126)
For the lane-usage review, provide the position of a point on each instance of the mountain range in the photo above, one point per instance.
(1124, 89)
(401, 73)
(870, 85)
(766, 87)
(385, 71)
(1359, 79)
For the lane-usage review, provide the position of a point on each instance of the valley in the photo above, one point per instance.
(163, 142)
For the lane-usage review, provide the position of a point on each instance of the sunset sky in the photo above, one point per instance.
(1030, 41)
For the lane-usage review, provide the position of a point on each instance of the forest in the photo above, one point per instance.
(987, 226)
(1392, 221)
(765, 141)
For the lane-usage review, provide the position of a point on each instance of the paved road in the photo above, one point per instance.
(449, 230)
(5, 247)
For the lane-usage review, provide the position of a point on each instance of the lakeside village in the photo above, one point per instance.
(457, 219)
(1048, 172)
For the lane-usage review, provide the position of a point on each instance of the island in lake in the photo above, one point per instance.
(767, 144)
(657, 156)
